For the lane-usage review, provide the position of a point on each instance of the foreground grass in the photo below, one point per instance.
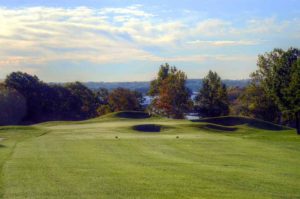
(185, 160)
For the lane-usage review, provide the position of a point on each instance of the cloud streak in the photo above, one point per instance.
(224, 43)
(36, 36)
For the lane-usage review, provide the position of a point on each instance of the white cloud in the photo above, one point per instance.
(131, 10)
(212, 27)
(224, 43)
(40, 35)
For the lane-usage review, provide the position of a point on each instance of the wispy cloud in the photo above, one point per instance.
(224, 43)
(40, 35)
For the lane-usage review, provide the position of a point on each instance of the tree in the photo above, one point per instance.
(294, 90)
(122, 99)
(12, 106)
(258, 104)
(102, 95)
(64, 104)
(278, 74)
(84, 102)
(212, 99)
(172, 95)
(103, 109)
(234, 98)
(34, 91)
(162, 74)
(45, 102)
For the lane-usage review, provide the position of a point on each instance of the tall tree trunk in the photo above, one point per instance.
(298, 122)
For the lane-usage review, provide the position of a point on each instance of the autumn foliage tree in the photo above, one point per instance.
(162, 74)
(122, 99)
(171, 96)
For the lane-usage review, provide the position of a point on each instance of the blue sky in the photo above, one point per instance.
(121, 40)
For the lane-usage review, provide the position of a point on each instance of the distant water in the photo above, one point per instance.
(192, 116)
(188, 116)
(148, 99)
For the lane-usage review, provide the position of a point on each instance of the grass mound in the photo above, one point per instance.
(132, 115)
(150, 128)
(234, 121)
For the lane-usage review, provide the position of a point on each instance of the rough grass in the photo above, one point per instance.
(188, 160)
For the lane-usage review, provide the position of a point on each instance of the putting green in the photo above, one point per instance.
(108, 158)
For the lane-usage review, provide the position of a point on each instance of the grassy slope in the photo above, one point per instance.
(85, 160)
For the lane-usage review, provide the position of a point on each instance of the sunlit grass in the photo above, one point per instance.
(107, 158)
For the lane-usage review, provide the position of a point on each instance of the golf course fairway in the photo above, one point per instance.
(127, 155)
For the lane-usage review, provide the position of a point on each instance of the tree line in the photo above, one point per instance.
(25, 99)
(273, 95)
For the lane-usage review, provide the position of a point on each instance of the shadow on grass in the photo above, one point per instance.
(219, 128)
(233, 121)
(2, 146)
(133, 115)
(148, 128)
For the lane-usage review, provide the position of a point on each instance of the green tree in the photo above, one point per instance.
(12, 106)
(84, 100)
(44, 102)
(34, 91)
(258, 104)
(103, 109)
(294, 90)
(234, 98)
(278, 73)
(172, 96)
(212, 99)
(65, 106)
(102, 95)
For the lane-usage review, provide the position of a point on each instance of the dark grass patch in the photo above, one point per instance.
(17, 129)
(133, 115)
(148, 128)
(233, 121)
(219, 128)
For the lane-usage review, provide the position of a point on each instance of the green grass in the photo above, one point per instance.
(203, 159)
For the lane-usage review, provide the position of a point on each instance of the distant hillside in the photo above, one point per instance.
(192, 84)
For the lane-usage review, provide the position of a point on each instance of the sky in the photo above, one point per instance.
(127, 40)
